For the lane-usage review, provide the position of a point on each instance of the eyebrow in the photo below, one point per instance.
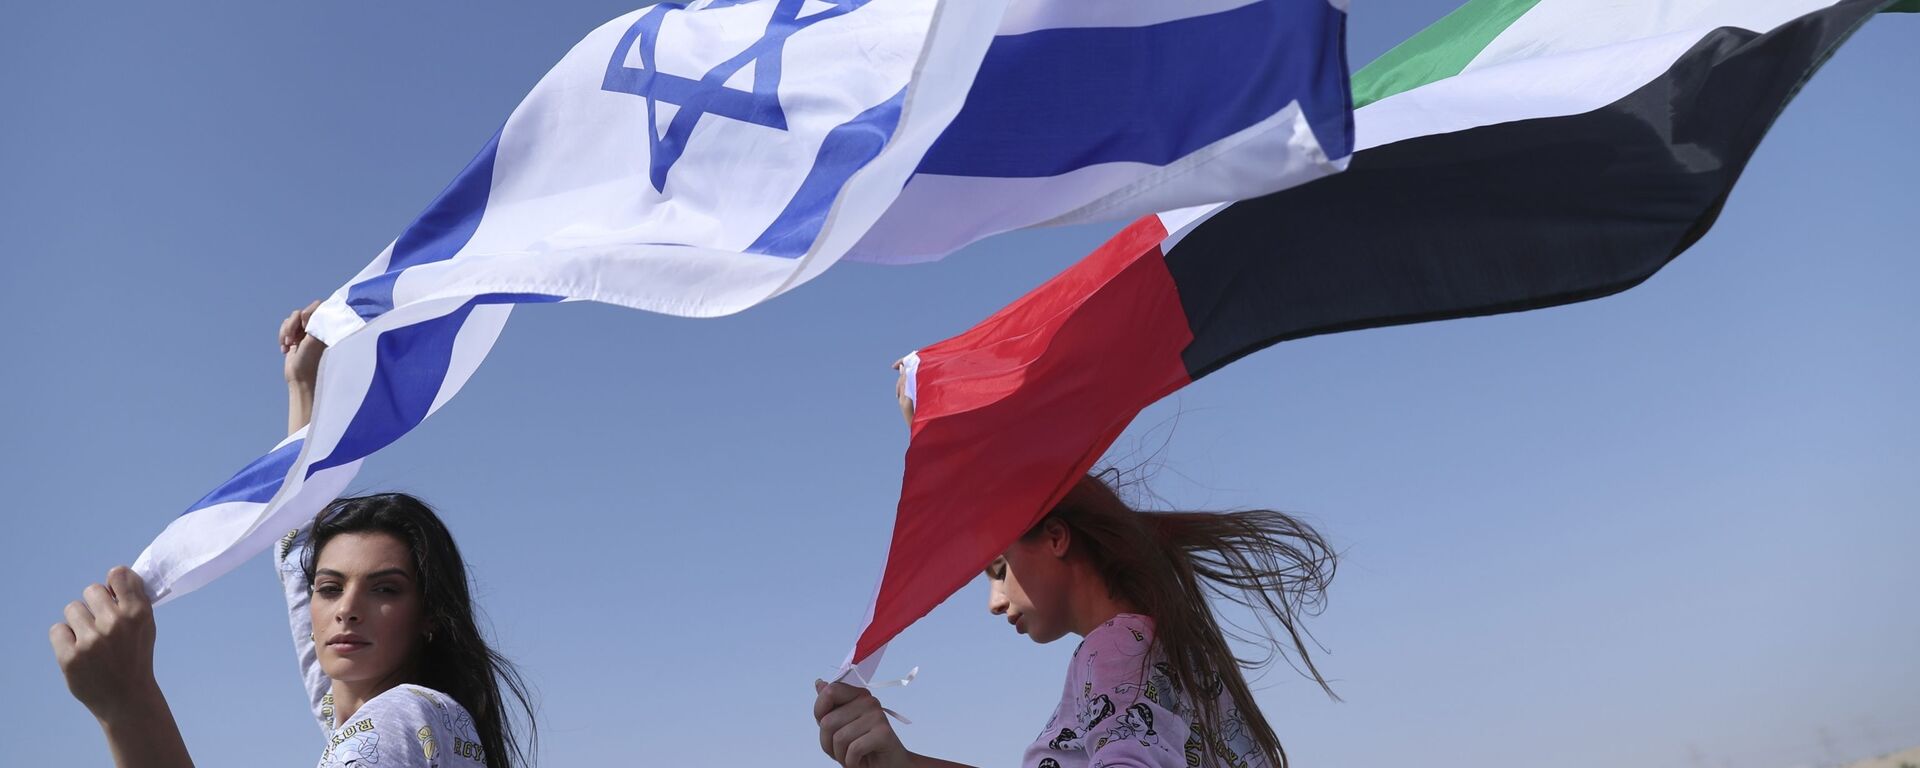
(401, 572)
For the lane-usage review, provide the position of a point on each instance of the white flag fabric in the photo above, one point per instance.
(699, 159)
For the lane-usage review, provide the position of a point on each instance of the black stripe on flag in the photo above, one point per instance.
(1505, 217)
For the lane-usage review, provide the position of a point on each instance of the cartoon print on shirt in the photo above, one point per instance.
(455, 721)
(1159, 688)
(1066, 739)
(1224, 753)
(1143, 716)
(428, 747)
(1233, 728)
(1095, 710)
(1135, 723)
(354, 744)
(1164, 670)
(1048, 762)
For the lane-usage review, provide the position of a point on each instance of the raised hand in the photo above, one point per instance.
(302, 351)
(854, 730)
(900, 391)
(105, 650)
(105, 646)
(301, 366)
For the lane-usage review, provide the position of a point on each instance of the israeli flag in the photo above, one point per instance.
(697, 159)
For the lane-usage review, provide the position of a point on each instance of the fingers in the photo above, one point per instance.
(129, 590)
(900, 391)
(99, 603)
(870, 729)
(847, 713)
(81, 621)
(294, 329)
(835, 695)
(822, 702)
(62, 639)
(834, 725)
(841, 739)
(309, 341)
(869, 744)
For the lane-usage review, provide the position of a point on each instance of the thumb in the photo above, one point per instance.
(819, 685)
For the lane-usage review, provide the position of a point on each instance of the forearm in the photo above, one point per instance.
(299, 406)
(288, 556)
(922, 761)
(142, 734)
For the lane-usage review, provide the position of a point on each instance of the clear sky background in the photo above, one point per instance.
(1676, 527)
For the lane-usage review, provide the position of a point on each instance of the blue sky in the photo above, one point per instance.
(1676, 527)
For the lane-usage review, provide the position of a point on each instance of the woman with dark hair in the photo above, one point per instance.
(1154, 681)
(396, 668)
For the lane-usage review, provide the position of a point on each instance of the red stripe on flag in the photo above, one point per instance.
(1014, 411)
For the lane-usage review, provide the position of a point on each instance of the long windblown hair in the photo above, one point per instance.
(1168, 564)
(456, 659)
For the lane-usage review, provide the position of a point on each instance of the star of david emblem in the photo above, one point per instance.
(710, 95)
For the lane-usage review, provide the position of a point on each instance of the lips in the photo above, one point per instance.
(1014, 619)
(347, 643)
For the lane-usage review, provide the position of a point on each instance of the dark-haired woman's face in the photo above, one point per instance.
(368, 614)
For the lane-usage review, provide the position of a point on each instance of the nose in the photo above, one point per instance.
(347, 609)
(996, 600)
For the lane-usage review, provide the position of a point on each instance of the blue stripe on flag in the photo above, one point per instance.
(257, 482)
(410, 367)
(846, 149)
(1157, 92)
(439, 232)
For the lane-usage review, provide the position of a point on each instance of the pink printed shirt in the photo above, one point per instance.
(1121, 709)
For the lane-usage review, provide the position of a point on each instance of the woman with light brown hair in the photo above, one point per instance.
(1154, 681)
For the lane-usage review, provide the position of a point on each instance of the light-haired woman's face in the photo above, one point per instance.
(367, 609)
(1028, 585)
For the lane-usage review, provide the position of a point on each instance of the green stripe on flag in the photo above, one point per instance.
(1439, 51)
(1904, 6)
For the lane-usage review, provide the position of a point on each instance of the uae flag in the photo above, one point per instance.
(1516, 154)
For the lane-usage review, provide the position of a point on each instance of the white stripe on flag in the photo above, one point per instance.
(1566, 26)
(1594, 59)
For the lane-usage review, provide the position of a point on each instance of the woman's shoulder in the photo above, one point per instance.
(416, 702)
(1119, 646)
(407, 697)
(425, 720)
(1129, 633)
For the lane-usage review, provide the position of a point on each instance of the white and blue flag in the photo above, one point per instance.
(697, 159)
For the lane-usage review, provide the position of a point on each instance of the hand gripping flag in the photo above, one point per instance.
(1517, 154)
(698, 159)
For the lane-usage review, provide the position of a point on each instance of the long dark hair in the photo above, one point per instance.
(1168, 565)
(456, 660)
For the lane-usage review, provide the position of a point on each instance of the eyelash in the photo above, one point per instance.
(333, 590)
